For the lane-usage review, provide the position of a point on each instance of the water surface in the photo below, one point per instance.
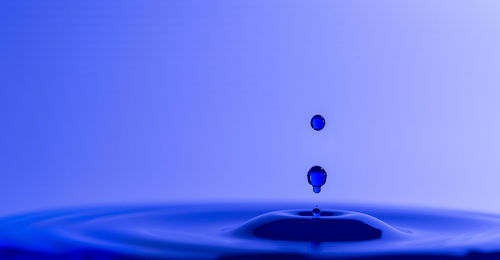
(250, 231)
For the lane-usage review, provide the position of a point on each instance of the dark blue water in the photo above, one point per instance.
(250, 231)
(318, 122)
(317, 178)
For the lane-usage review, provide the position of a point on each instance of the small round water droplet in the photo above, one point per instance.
(317, 178)
(317, 122)
(316, 212)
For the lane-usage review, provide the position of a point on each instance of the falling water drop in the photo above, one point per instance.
(317, 178)
(317, 122)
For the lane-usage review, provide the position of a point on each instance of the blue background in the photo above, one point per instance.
(111, 102)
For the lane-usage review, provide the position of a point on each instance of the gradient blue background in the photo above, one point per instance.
(106, 102)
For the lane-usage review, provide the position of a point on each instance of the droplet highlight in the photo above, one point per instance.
(318, 122)
(317, 178)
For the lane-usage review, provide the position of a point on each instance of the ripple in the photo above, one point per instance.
(249, 231)
(332, 226)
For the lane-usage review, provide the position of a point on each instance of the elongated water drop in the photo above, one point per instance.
(317, 178)
(317, 122)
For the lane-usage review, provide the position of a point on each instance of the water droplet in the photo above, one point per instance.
(316, 212)
(317, 178)
(317, 122)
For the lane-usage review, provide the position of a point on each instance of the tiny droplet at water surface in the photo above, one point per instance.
(317, 178)
(316, 212)
(318, 122)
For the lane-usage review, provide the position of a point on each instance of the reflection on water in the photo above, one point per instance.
(251, 231)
